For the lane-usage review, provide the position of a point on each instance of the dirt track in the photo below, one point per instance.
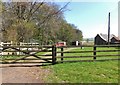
(23, 74)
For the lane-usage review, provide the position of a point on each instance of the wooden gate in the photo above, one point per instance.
(53, 54)
(27, 54)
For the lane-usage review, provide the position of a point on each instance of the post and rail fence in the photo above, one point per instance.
(81, 55)
(54, 54)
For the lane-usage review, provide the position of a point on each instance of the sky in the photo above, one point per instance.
(92, 17)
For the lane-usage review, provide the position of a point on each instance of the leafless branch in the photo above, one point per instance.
(50, 15)
(31, 13)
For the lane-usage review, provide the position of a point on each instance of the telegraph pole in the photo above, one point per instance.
(109, 28)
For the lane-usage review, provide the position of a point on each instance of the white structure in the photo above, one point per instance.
(18, 53)
(77, 43)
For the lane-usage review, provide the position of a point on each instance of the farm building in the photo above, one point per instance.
(75, 43)
(102, 39)
(61, 44)
(115, 40)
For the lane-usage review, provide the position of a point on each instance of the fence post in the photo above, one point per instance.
(94, 52)
(62, 55)
(53, 55)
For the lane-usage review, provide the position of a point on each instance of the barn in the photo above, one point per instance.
(102, 39)
(115, 40)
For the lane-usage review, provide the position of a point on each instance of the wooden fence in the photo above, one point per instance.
(98, 53)
(53, 54)
(26, 54)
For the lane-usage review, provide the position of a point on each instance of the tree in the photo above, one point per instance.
(30, 17)
(42, 22)
(0, 21)
(68, 33)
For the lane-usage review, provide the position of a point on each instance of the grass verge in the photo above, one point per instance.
(84, 72)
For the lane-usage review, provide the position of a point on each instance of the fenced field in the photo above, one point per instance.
(88, 53)
(53, 54)
(93, 64)
(87, 68)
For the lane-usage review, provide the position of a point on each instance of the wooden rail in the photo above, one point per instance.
(86, 60)
(89, 51)
(51, 55)
(116, 45)
(85, 56)
(18, 53)
(46, 46)
(105, 57)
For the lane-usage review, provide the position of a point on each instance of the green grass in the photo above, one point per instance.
(90, 54)
(84, 72)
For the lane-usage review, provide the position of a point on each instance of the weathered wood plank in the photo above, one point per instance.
(23, 62)
(86, 60)
(89, 46)
(26, 46)
(89, 51)
(86, 56)
(28, 51)
(27, 59)
(62, 54)
(53, 54)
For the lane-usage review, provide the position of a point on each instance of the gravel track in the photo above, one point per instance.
(23, 74)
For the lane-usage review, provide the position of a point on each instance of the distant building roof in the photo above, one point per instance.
(105, 36)
(117, 38)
